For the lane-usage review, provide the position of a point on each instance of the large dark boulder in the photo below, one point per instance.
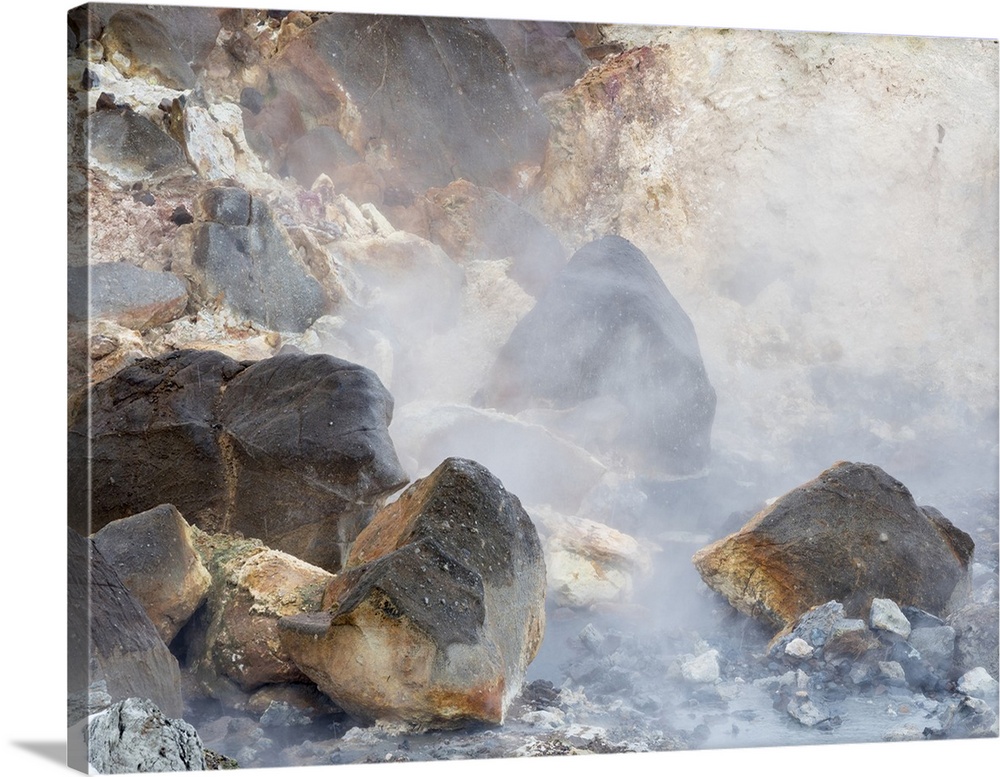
(608, 338)
(243, 256)
(293, 450)
(853, 534)
(109, 636)
(437, 98)
(131, 146)
(439, 610)
(131, 296)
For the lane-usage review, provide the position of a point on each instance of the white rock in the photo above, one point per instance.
(892, 671)
(978, 683)
(702, 669)
(799, 648)
(886, 615)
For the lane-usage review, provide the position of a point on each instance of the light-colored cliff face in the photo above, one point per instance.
(824, 207)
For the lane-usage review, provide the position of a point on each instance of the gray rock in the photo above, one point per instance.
(815, 627)
(134, 736)
(976, 627)
(293, 450)
(283, 714)
(139, 44)
(228, 205)
(979, 683)
(132, 297)
(703, 668)
(807, 712)
(253, 265)
(153, 555)
(113, 639)
(798, 648)
(936, 645)
(607, 328)
(886, 616)
(892, 672)
(131, 147)
(321, 151)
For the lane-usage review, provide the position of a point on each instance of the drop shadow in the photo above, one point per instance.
(50, 751)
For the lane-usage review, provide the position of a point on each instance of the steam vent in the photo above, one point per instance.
(608, 333)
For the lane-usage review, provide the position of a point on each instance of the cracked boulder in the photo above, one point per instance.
(153, 554)
(613, 360)
(439, 610)
(135, 736)
(854, 534)
(293, 450)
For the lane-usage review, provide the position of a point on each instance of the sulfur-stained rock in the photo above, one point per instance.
(608, 330)
(588, 563)
(439, 610)
(111, 638)
(126, 294)
(548, 56)
(138, 44)
(471, 222)
(853, 534)
(433, 98)
(153, 555)
(320, 151)
(293, 450)
(252, 587)
(254, 267)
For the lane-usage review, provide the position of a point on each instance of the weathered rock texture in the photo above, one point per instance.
(853, 534)
(439, 610)
(110, 637)
(134, 736)
(607, 329)
(976, 629)
(246, 258)
(130, 147)
(375, 78)
(126, 294)
(153, 555)
(292, 450)
(252, 587)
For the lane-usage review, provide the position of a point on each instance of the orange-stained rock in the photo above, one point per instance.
(852, 534)
(439, 610)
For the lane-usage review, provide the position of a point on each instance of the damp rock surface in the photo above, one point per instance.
(438, 611)
(854, 534)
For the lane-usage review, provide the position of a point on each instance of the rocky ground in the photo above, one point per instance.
(413, 361)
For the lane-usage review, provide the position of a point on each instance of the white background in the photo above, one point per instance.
(32, 217)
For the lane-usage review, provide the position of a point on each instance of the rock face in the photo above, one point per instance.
(153, 555)
(125, 650)
(252, 587)
(439, 610)
(134, 736)
(976, 630)
(139, 44)
(128, 295)
(245, 257)
(854, 534)
(608, 330)
(293, 450)
(376, 78)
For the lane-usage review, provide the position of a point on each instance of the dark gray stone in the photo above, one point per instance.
(143, 40)
(320, 151)
(125, 650)
(293, 450)
(253, 265)
(439, 94)
(607, 328)
(133, 297)
(936, 645)
(228, 205)
(135, 736)
(976, 630)
(123, 140)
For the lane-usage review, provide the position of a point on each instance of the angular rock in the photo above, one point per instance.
(128, 295)
(936, 645)
(815, 627)
(439, 610)
(131, 148)
(293, 450)
(435, 97)
(153, 555)
(471, 222)
(139, 44)
(977, 626)
(798, 648)
(607, 329)
(702, 669)
(254, 267)
(885, 615)
(806, 712)
(588, 563)
(979, 683)
(853, 534)
(539, 467)
(252, 587)
(135, 736)
(125, 650)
